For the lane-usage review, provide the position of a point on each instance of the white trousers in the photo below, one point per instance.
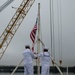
(28, 69)
(45, 70)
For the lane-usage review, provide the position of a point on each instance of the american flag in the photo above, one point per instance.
(33, 33)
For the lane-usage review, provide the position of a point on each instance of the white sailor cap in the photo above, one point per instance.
(27, 46)
(45, 48)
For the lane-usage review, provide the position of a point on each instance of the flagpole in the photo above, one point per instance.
(38, 42)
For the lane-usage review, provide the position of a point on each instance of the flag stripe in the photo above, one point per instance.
(33, 34)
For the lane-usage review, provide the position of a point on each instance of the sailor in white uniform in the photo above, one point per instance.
(28, 63)
(45, 61)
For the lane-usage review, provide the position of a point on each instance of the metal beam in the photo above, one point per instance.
(5, 5)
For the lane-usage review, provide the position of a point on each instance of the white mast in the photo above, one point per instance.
(38, 42)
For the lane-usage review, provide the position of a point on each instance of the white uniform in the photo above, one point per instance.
(28, 63)
(45, 62)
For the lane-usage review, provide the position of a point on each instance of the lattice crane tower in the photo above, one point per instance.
(13, 25)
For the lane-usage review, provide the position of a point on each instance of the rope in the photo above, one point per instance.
(61, 28)
(53, 31)
(59, 34)
(51, 25)
(58, 30)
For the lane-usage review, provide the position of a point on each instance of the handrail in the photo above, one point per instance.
(22, 61)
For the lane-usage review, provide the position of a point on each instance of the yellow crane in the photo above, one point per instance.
(14, 24)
